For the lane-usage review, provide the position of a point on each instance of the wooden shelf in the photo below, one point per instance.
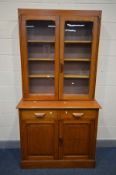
(77, 59)
(40, 41)
(41, 76)
(78, 41)
(75, 76)
(41, 59)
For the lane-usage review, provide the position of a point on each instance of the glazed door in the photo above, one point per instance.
(78, 57)
(40, 53)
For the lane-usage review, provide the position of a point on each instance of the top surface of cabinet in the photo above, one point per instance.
(59, 53)
(58, 105)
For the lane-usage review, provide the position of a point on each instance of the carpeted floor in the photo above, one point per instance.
(106, 164)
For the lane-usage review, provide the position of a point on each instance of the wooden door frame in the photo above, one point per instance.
(94, 55)
(24, 56)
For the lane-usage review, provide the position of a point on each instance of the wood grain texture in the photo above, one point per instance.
(59, 17)
(58, 104)
(58, 164)
(48, 139)
(24, 57)
(59, 12)
(56, 129)
(39, 136)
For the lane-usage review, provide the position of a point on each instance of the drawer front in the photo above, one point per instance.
(80, 114)
(76, 114)
(38, 115)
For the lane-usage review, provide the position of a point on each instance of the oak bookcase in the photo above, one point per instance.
(58, 112)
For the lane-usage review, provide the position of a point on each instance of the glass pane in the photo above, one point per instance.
(74, 50)
(78, 68)
(42, 85)
(41, 30)
(40, 67)
(41, 48)
(78, 30)
(76, 86)
(77, 57)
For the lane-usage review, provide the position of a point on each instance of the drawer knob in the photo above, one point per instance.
(77, 115)
(39, 115)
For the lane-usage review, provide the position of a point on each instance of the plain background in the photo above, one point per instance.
(10, 68)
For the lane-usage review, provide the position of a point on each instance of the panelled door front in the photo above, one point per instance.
(39, 134)
(77, 132)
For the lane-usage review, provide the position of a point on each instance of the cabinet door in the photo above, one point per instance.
(78, 56)
(39, 135)
(77, 134)
(39, 37)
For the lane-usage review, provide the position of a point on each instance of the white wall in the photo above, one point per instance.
(10, 71)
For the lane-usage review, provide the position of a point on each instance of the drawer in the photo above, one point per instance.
(79, 114)
(38, 114)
